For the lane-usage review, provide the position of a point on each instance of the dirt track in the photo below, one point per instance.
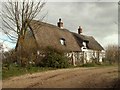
(66, 78)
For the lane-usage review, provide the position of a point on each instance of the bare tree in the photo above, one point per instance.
(17, 16)
(112, 53)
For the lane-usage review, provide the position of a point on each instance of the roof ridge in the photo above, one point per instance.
(49, 24)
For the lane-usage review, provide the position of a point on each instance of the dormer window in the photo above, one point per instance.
(84, 44)
(62, 41)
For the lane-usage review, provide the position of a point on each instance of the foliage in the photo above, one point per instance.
(12, 56)
(16, 21)
(9, 57)
(54, 58)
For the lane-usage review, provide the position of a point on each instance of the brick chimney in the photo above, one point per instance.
(79, 30)
(60, 23)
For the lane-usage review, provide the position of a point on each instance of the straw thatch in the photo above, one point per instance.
(42, 35)
(91, 42)
(49, 35)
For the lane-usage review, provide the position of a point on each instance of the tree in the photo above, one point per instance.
(112, 53)
(1, 52)
(17, 16)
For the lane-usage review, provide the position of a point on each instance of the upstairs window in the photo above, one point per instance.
(62, 41)
(84, 44)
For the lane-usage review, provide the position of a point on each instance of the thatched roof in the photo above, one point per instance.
(91, 42)
(50, 35)
(47, 35)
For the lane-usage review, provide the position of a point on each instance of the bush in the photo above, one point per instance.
(54, 58)
(13, 57)
(9, 57)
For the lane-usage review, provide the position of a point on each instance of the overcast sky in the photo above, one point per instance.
(97, 19)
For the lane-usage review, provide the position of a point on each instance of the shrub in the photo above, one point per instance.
(18, 58)
(54, 58)
(9, 57)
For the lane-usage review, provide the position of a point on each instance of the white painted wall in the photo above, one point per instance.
(89, 55)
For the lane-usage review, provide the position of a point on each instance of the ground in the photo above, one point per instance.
(83, 77)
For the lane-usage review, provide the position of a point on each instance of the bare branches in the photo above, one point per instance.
(119, 3)
(112, 53)
(17, 16)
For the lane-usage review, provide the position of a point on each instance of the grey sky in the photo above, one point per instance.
(97, 19)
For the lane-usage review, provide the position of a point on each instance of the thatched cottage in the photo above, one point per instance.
(80, 48)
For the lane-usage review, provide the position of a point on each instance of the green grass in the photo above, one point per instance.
(97, 65)
(17, 71)
(88, 65)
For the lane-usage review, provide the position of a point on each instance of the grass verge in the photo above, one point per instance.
(12, 70)
(97, 65)
(17, 71)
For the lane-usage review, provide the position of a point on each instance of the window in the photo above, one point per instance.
(84, 44)
(62, 41)
(84, 48)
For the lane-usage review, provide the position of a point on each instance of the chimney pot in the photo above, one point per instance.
(60, 23)
(59, 19)
(79, 30)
